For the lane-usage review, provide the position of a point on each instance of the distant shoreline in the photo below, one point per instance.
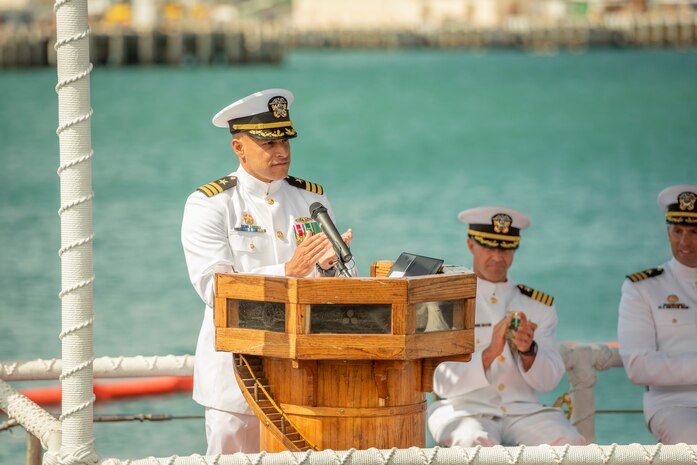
(29, 45)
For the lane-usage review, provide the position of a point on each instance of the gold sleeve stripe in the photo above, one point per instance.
(277, 124)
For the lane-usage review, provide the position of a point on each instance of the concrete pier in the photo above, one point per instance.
(28, 46)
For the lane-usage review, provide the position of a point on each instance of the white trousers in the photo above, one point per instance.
(674, 425)
(228, 432)
(544, 427)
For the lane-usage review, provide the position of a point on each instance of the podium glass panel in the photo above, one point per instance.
(351, 318)
(447, 315)
(267, 316)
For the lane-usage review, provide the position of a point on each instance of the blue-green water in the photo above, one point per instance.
(401, 141)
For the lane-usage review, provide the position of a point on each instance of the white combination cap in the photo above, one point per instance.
(495, 227)
(680, 204)
(263, 115)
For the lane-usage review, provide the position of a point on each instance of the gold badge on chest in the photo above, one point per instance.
(248, 224)
(673, 303)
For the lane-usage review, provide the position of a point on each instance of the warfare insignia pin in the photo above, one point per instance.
(248, 225)
(673, 303)
(279, 106)
(687, 201)
(501, 222)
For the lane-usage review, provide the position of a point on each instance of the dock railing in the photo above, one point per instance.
(582, 361)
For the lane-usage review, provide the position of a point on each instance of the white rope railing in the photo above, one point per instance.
(32, 417)
(77, 278)
(581, 360)
(102, 367)
(614, 454)
(582, 363)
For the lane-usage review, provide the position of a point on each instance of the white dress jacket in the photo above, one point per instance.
(657, 332)
(212, 244)
(466, 389)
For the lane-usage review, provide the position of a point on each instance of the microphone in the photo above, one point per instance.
(319, 213)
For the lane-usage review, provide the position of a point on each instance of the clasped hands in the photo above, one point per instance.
(522, 338)
(315, 250)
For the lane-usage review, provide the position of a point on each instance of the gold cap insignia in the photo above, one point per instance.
(279, 107)
(501, 223)
(687, 201)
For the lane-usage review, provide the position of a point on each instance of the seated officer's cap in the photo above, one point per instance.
(495, 227)
(680, 204)
(263, 115)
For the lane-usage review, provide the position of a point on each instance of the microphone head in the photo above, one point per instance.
(315, 209)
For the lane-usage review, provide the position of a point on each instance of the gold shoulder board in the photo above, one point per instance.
(536, 295)
(216, 187)
(642, 275)
(307, 185)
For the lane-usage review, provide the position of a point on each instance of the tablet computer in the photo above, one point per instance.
(409, 264)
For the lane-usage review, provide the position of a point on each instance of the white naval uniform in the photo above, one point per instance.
(505, 389)
(211, 244)
(657, 333)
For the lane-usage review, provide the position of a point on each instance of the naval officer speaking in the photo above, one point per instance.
(254, 220)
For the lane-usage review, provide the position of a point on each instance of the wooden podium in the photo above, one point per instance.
(340, 363)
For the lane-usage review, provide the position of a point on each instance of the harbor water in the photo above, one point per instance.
(401, 141)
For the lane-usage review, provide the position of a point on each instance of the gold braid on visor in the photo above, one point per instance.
(274, 125)
(494, 240)
(681, 217)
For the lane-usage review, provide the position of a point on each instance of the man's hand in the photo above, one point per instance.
(328, 259)
(526, 333)
(307, 254)
(523, 339)
(498, 342)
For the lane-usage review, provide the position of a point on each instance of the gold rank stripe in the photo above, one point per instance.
(215, 187)
(546, 299)
(542, 297)
(486, 235)
(642, 275)
(312, 187)
(277, 124)
(307, 185)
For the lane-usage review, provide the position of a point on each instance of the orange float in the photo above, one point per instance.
(116, 390)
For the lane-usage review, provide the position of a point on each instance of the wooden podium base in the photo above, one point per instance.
(342, 363)
(344, 404)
